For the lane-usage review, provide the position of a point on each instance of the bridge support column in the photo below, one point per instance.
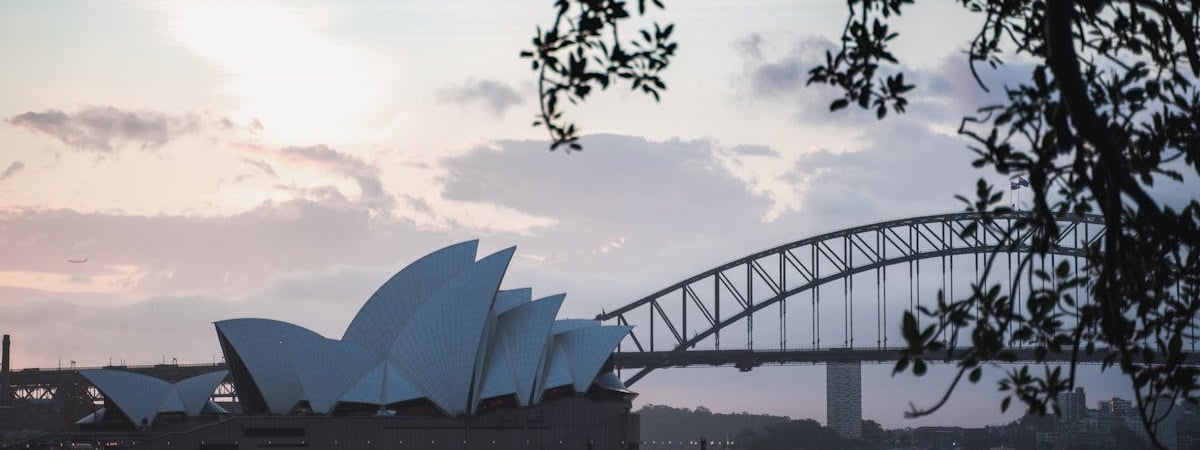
(5, 380)
(843, 398)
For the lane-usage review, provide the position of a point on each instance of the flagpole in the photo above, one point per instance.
(1012, 187)
(1015, 202)
(1022, 182)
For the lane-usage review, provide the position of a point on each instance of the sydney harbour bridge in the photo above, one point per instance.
(827, 299)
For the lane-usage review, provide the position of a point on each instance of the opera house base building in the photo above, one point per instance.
(570, 422)
(439, 357)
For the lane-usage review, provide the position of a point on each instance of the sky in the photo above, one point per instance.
(275, 159)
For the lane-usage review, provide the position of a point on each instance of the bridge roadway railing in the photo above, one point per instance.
(747, 359)
(46, 382)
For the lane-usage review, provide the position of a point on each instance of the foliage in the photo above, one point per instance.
(872, 431)
(583, 50)
(663, 423)
(1111, 110)
(797, 434)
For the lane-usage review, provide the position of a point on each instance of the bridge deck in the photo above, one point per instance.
(742, 359)
(747, 359)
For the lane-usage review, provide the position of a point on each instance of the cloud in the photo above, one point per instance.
(310, 262)
(611, 246)
(754, 150)
(260, 164)
(905, 170)
(630, 214)
(1176, 194)
(13, 169)
(150, 330)
(101, 129)
(774, 78)
(953, 81)
(618, 182)
(942, 94)
(668, 208)
(769, 77)
(267, 52)
(497, 97)
(781, 76)
(750, 46)
(365, 175)
(179, 254)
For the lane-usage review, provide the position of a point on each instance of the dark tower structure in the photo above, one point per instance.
(5, 386)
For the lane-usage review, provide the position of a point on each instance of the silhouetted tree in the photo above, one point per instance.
(1110, 109)
(665, 423)
(872, 431)
(798, 434)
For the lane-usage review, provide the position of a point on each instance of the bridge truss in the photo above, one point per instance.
(68, 384)
(683, 323)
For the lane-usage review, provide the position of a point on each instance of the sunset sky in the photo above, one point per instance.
(224, 159)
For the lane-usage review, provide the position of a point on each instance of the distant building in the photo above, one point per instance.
(1117, 407)
(1168, 429)
(1072, 406)
(1121, 412)
(843, 398)
(1046, 440)
(1189, 427)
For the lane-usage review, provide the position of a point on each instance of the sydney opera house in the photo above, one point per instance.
(438, 357)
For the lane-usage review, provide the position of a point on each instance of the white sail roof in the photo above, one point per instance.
(565, 325)
(327, 369)
(135, 395)
(438, 350)
(579, 348)
(95, 417)
(440, 329)
(171, 403)
(511, 298)
(497, 377)
(195, 391)
(554, 371)
(490, 363)
(610, 381)
(389, 310)
(142, 397)
(523, 335)
(261, 345)
(586, 349)
(382, 385)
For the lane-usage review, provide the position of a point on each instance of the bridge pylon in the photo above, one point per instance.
(843, 398)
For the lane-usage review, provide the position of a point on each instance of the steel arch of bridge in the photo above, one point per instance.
(805, 265)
